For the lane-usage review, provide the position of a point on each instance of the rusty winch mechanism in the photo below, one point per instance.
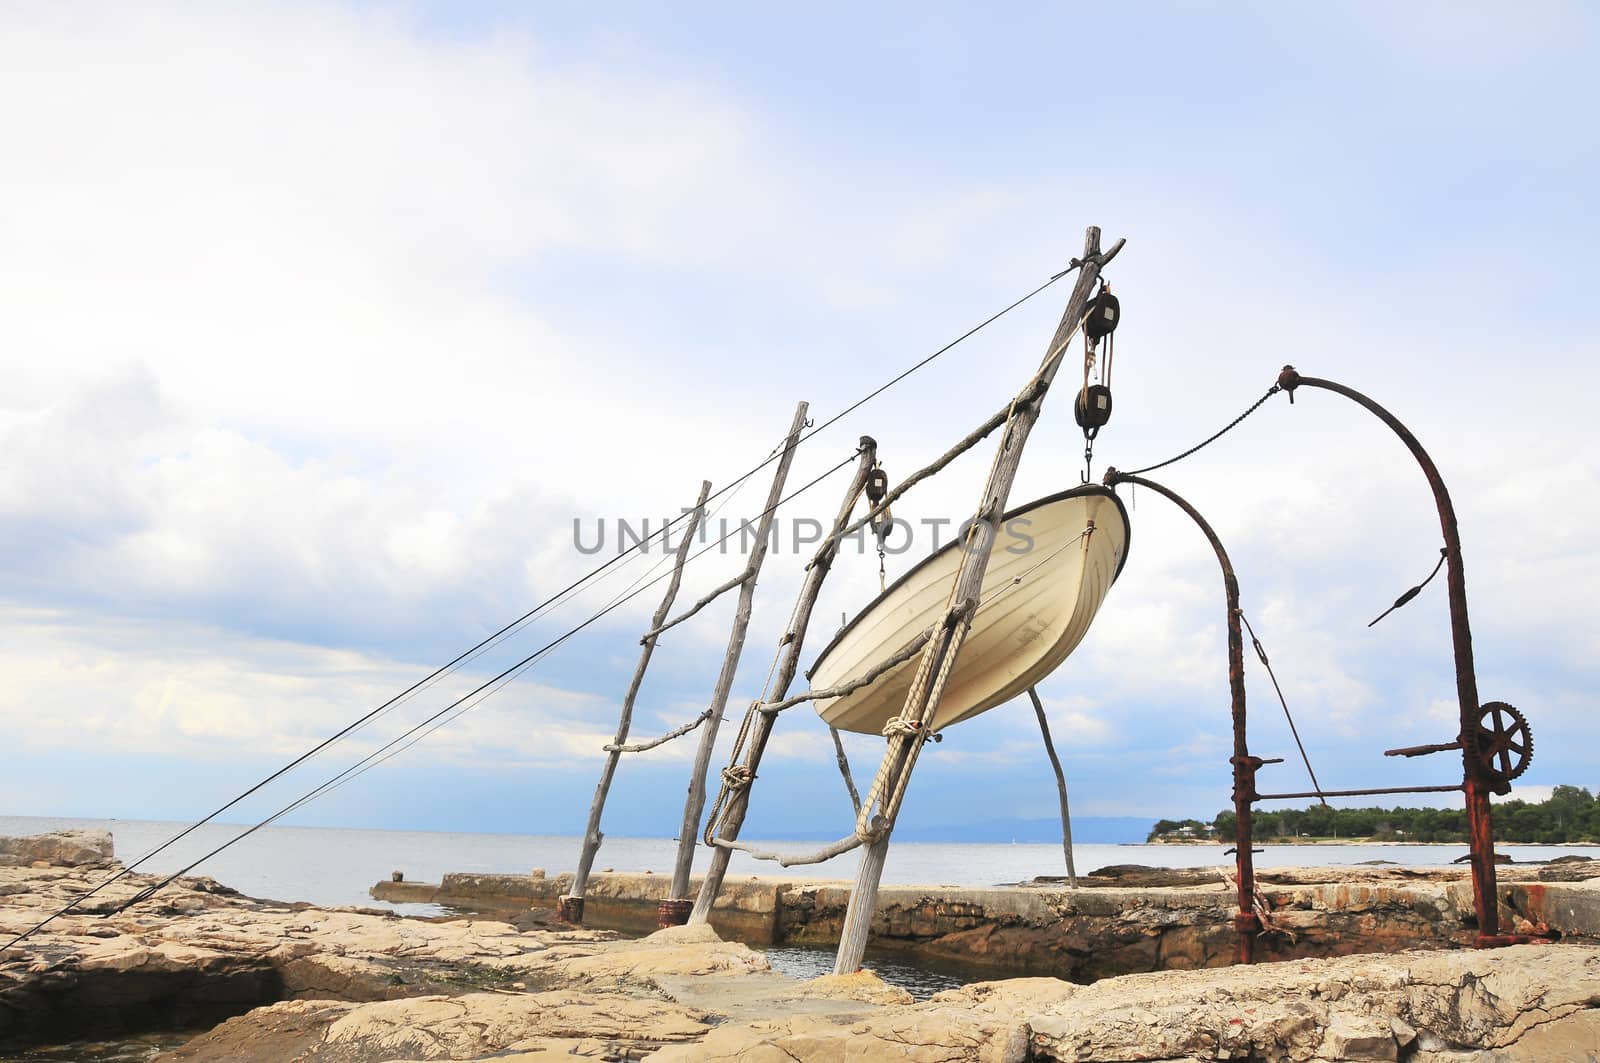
(1494, 740)
(1502, 746)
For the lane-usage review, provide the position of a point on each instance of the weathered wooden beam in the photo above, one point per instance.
(1061, 787)
(676, 732)
(827, 852)
(592, 836)
(844, 769)
(695, 803)
(922, 700)
(697, 606)
(972, 439)
(738, 802)
(839, 690)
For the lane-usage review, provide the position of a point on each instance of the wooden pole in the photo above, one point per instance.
(905, 735)
(788, 665)
(695, 804)
(572, 903)
(844, 769)
(1061, 787)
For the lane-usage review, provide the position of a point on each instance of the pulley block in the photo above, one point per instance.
(1092, 409)
(877, 485)
(1105, 313)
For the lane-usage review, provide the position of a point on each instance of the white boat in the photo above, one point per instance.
(1021, 632)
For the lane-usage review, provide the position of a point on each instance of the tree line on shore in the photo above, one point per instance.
(1570, 814)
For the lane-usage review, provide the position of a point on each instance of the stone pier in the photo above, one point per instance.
(1125, 920)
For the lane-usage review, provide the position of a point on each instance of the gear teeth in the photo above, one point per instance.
(1490, 736)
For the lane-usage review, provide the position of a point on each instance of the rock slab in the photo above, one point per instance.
(1530, 1003)
(62, 848)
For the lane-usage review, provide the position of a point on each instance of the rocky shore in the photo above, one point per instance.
(266, 981)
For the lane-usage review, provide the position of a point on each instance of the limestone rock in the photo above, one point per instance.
(64, 848)
(1531, 1003)
(472, 1026)
(1359, 1037)
(418, 989)
(864, 985)
(687, 934)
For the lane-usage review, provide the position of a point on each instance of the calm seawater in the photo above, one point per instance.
(337, 866)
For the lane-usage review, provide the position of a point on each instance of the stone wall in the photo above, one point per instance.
(1082, 934)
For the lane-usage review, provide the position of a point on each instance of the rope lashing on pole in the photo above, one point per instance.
(896, 726)
(1262, 654)
(737, 777)
(888, 786)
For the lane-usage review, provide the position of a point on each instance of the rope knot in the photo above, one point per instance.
(737, 777)
(897, 726)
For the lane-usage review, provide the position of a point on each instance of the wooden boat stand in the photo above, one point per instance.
(675, 910)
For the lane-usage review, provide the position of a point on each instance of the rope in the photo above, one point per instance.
(976, 328)
(1414, 591)
(1230, 426)
(911, 745)
(1016, 581)
(1262, 653)
(726, 790)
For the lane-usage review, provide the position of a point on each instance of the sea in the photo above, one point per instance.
(333, 866)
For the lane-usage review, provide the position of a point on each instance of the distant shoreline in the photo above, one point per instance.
(1356, 841)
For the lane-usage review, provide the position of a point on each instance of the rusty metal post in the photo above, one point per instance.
(1247, 923)
(1476, 783)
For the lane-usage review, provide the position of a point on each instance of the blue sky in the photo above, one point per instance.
(322, 323)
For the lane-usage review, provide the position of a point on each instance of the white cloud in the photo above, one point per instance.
(319, 331)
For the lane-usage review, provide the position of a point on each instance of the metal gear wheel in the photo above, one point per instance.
(1505, 744)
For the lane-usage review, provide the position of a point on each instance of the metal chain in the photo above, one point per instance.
(1231, 425)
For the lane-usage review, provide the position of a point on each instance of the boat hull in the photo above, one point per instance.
(1021, 632)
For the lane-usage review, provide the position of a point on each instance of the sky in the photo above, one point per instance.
(322, 324)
